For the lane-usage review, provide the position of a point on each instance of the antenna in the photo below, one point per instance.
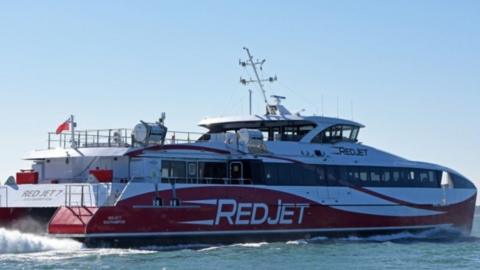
(250, 101)
(258, 80)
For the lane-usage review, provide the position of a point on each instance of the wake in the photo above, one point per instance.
(438, 235)
(12, 241)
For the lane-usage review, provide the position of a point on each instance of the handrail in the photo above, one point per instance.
(119, 137)
(82, 191)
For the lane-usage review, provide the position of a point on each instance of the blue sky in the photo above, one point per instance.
(410, 68)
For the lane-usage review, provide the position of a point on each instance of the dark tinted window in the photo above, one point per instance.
(329, 175)
(337, 133)
(212, 170)
(173, 169)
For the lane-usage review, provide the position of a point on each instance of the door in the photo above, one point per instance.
(236, 172)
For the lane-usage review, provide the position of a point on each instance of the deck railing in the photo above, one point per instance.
(120, 137)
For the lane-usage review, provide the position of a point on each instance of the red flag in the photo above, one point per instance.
(64, 126)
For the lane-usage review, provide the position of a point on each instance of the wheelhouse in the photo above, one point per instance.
(288, 128)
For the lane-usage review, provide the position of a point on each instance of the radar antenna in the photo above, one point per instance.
(254, 64)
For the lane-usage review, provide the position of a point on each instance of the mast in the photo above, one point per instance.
(254, 64)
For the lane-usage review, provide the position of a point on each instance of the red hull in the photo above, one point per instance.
(242, 212)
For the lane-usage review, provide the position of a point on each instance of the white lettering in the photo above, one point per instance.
(302, 208)
(277, 218)
(254, 220)
(226, 214)
(285, 214)
(258, 213)
(242, 212)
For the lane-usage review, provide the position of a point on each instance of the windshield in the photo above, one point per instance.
(337, 133)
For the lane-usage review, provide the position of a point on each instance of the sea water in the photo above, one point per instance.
(427, 250)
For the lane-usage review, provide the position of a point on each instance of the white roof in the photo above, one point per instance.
(319, 120)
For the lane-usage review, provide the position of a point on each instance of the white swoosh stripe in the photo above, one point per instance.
(388, 210)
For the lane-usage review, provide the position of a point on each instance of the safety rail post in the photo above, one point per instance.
(109, 138)
(81, 198)
(98, 138)
(49, 134)
(96, 195)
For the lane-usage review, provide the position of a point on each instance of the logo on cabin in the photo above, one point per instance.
(39, 195)
(350, 151)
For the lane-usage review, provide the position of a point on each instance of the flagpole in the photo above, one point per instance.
(72, 124)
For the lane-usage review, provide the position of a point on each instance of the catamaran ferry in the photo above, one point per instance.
(275, 176)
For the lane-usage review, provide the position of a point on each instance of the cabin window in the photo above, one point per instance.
(331, 175)
(433, 177)
(192, 169)
(285, 174)
(286, 133)
(386, 176)
(375, 176)
(395, 175)
(236, 170)
(410, 175)
(271, 174)
(212, 172)
(311, 175)
(363, 176)
(423, 176)
(173, 169)
(336, 134)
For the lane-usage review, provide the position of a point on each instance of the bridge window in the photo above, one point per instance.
(286, 133)
(336, 134)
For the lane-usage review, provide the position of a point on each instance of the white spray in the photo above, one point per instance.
(17, 242)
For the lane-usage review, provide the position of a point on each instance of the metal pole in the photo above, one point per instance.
(81, 198)
(250, 101)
